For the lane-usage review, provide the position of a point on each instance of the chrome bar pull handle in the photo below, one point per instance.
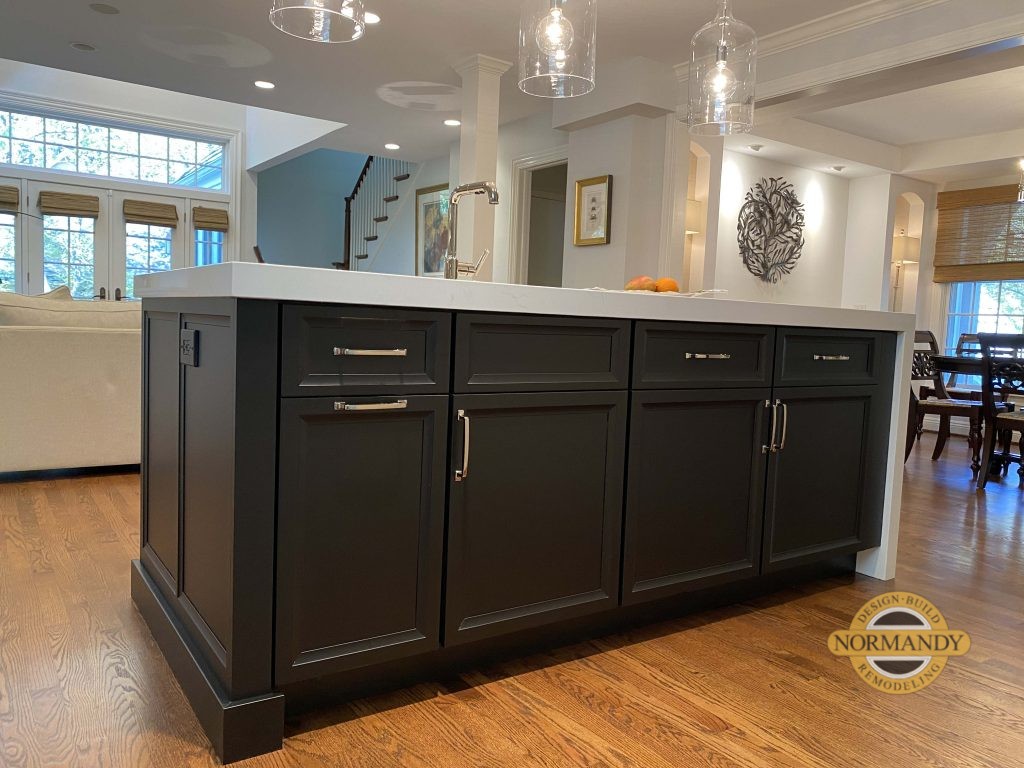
(832, 358)
(346, 352)
(770, 448)
(462, 474)
(785, 424)
(708, 356)
(397, 405)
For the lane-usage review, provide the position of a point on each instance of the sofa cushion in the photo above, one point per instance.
(50, 311)
(61, 293)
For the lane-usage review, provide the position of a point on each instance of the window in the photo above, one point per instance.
(148, 248)
(209, 247)
(988, 307)
(8, 250)
(38, 141)
(69, 254)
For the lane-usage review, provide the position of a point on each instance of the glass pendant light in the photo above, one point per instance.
(723, 68)
(323, 21)
(557, 47)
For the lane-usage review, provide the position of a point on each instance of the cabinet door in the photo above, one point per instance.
(360, 524)
(695, 490)
(534, 527)
(826, 485)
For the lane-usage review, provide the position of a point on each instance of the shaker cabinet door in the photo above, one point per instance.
(826, 485)
(534, 524)
(695, 491)
(360, 532)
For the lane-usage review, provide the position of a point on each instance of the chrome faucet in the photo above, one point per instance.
(451, 256)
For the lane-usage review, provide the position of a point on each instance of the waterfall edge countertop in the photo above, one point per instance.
(246, 280)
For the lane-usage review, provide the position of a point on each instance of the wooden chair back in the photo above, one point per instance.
(1003, 354)
(968, 342)
(923, 367)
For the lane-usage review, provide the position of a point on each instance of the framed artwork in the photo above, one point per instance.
(593, 211)
(432, 231)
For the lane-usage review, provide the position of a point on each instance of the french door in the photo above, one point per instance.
(139, 249)
(11, 268)
(67, 250)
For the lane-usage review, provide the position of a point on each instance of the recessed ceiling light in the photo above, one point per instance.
(105, 8)
(452, 123)
(371, 18)
(84, 47)
(756, 147)
(392, 147)
(264, 84)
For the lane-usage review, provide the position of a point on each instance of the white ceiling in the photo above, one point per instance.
(217, 48)
(973, 106)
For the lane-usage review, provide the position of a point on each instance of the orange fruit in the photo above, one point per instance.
(663, 284)
(642, 283)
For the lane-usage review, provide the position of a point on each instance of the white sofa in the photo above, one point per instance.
(69, 382)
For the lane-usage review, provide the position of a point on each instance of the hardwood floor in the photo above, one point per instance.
(83, 684)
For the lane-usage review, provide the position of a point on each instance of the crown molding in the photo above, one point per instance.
(478, 62)
(848, 20)
(907, 53)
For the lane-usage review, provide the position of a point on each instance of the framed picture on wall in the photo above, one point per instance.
(432, 230)
(593, 211)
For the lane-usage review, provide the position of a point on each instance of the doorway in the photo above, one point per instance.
(546, 239)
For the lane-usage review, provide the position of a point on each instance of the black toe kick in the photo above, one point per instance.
(237, 729)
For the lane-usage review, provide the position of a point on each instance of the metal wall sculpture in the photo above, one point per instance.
(770, 230)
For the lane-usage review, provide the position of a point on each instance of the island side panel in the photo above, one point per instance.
(209, 487)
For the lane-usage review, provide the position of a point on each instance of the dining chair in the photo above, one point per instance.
(934, 399)
(1003, 355)
(965, 345)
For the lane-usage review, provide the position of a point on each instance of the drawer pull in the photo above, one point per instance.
(785, 425)
(346, 352)
(708, 356)
(462, 474)
(398, 405)
(833, 358)
(770, 447)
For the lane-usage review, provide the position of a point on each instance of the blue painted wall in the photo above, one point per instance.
(300, 216)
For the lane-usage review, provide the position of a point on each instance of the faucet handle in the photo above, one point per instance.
(472, 269)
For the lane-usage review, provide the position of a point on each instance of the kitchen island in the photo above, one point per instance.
(355, 480)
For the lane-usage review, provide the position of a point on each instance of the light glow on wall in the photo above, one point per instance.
(814, 207)
(733, 190)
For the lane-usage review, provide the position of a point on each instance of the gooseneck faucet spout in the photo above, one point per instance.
(451, 256)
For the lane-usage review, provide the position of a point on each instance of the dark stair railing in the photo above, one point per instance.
(366, 209)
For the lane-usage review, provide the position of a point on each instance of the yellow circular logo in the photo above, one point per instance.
(899, 642)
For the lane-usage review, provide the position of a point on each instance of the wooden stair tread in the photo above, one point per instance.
(402, 177)
(362, 256)
(370, 238)
(380, 219)
(390, 198)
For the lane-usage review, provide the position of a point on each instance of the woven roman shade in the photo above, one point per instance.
(980, 235)
(157, 214)
(64, 204)
(9, 198)
(213, 219)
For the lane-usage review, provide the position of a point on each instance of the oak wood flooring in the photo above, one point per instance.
(83, 684)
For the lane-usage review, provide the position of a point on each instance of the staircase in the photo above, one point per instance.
(377, 191)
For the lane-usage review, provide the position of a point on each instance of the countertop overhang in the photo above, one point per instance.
(246, 280)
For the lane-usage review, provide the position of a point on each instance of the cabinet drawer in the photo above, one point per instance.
(330, 350)
(700, 355)
(508, 353)
(809, 357)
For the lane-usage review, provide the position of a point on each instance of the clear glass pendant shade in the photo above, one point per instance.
(324, 21)
(557, 47)
(723, 71)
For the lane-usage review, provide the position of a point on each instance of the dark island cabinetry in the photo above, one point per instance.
(338, 496)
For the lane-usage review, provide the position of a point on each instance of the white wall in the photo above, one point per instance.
(632, 150)
(817, 279)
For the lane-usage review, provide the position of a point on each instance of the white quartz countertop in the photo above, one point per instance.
(282, 283)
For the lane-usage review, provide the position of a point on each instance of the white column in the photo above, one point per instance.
(478, 154)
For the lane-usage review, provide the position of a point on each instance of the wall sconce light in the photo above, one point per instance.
(694, 217)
